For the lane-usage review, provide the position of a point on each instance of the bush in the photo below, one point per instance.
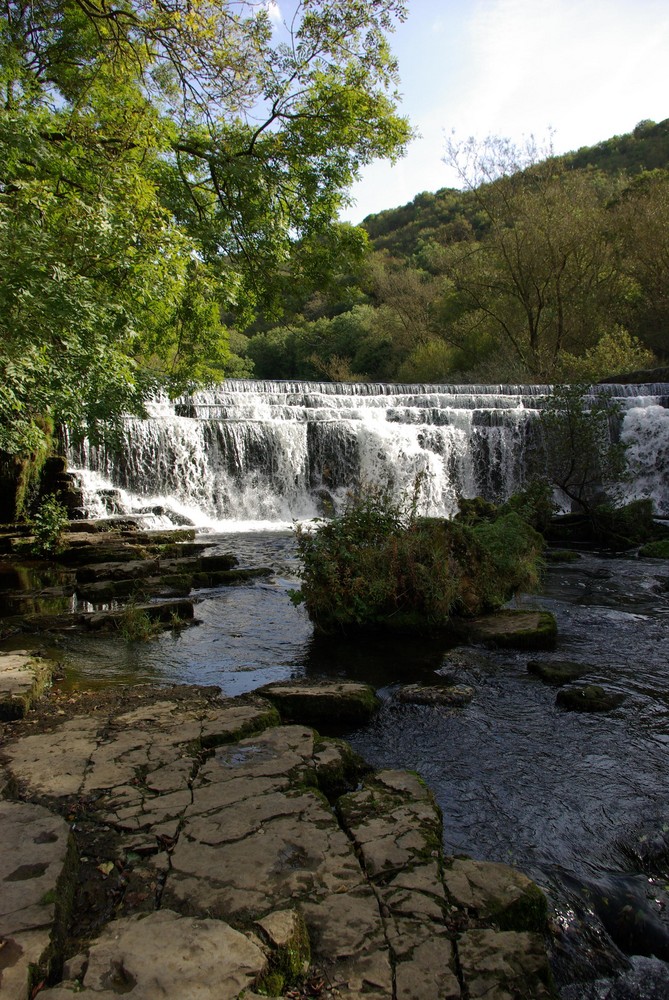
(379, 565)
(47, 526)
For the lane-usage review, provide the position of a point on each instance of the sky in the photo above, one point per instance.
(581, 70)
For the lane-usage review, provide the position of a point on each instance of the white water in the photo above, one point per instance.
(257, 454)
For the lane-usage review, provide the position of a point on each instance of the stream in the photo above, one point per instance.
(578, 801)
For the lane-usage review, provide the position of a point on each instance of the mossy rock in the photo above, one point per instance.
(329, 706)
(655, 550)
(588, 698)
(557, 672)
(497, 895)
(562, 556)
(23, 679)
(435, 694)
(285, 934)
(514, 629)
(339, 768)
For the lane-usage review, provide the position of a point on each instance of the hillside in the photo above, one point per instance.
(448, 215)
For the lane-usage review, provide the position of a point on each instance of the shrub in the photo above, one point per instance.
(379, 565)
(47, 526)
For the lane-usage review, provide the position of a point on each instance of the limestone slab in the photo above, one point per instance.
(166, 955)
(501, 964)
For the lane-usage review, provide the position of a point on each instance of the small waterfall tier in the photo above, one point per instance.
(283, 451)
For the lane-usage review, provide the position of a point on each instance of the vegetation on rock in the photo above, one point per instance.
(379, 564)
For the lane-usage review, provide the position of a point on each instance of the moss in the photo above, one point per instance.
(288, 961)
(655, 550)
(527, 913)
(264, 720)
(272, 984)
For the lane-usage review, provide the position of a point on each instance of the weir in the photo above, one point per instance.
(273, 452)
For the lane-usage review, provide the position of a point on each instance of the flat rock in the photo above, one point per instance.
(435, 694)
(502, 965)
(23, 678)
(34, 862)
(514, 629)
(166, 955)
(497, 894)
(329, 706)
(209, 816)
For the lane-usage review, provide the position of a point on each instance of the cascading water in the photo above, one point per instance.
(279, 451)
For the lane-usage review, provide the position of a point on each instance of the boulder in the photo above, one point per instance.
(557, 671)
(588, 698)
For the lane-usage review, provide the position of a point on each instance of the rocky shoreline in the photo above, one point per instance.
(170, 842)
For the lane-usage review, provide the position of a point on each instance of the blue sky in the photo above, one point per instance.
(586, 69)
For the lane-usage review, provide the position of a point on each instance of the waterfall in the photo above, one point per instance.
(273, 452)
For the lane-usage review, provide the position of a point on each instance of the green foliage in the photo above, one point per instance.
(578, 454)
(535, 504)
(380, 565)
(135, 625)
(47, 526)
(655, 550)
(162, 166)
(614, 354)
(623, 527)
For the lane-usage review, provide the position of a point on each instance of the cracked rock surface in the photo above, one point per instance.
(218, 858)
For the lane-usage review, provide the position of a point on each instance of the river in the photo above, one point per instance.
(574, 800)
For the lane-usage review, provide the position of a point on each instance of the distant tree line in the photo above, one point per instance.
(542, 268)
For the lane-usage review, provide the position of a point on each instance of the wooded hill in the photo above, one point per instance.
(541, 268)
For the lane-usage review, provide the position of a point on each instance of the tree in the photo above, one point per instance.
(578, 453)
(161, 164)
(542, 276)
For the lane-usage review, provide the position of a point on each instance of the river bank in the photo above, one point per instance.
(166, 841)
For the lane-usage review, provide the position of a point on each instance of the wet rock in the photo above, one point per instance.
(557, 671)
(330, 706)
(514, 629)
(588, 698)
(435, 694)
(497, 894)
(23, 678)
